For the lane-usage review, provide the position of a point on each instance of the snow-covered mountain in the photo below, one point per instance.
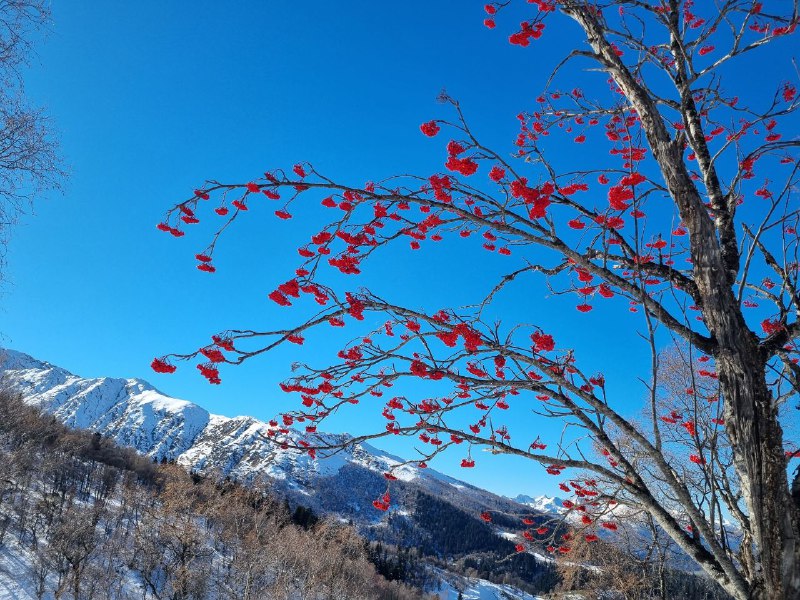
(134, 413)
(550, 505)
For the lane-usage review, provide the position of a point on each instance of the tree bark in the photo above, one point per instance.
(757, 440)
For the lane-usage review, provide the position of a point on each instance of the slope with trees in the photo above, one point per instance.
(83, 519)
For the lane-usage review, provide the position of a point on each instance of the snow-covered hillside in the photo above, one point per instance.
(480, 589)
(134, 413)
(130, 411)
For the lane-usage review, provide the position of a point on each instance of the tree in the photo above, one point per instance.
(73, 539)
(673, 224)
(29, 160)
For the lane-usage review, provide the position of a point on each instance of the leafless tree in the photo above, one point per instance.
(29, 159)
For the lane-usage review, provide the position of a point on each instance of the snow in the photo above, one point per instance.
(551, 505)
(166, 404)
(15, 572)
(131, 411)
(543, 557)
(16, 583)
(478, 589)
(134, 413)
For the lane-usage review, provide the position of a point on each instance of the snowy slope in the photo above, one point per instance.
(130, 411)
(15, 573)
(477, 589)
(480, 589)
(134, 413)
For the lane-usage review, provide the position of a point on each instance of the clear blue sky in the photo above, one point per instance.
(151, 98)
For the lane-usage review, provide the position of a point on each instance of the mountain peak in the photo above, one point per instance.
(16, 360)
(131, 411)
(546, 504)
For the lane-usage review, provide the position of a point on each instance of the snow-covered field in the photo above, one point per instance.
(478, 589)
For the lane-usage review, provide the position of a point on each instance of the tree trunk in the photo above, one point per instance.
(757, 439)
(751, 414)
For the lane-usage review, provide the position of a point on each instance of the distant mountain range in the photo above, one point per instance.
(543, 504)
(135, 414)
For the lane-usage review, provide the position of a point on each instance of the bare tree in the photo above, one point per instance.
(72, 540)
(163, 535)
(29, 159)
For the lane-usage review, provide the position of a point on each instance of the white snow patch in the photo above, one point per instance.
(479, 589)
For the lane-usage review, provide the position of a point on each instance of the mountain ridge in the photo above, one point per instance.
(136, 414)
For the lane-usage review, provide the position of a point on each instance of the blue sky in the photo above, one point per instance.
(151, 98)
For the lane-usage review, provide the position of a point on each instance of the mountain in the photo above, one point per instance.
(433, 513)
(549, 505)
(133, 413)
(84, 519)
(430, 511)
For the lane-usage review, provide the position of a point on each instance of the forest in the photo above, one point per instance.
(94, 521)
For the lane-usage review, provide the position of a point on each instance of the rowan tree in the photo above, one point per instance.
(690, 221)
